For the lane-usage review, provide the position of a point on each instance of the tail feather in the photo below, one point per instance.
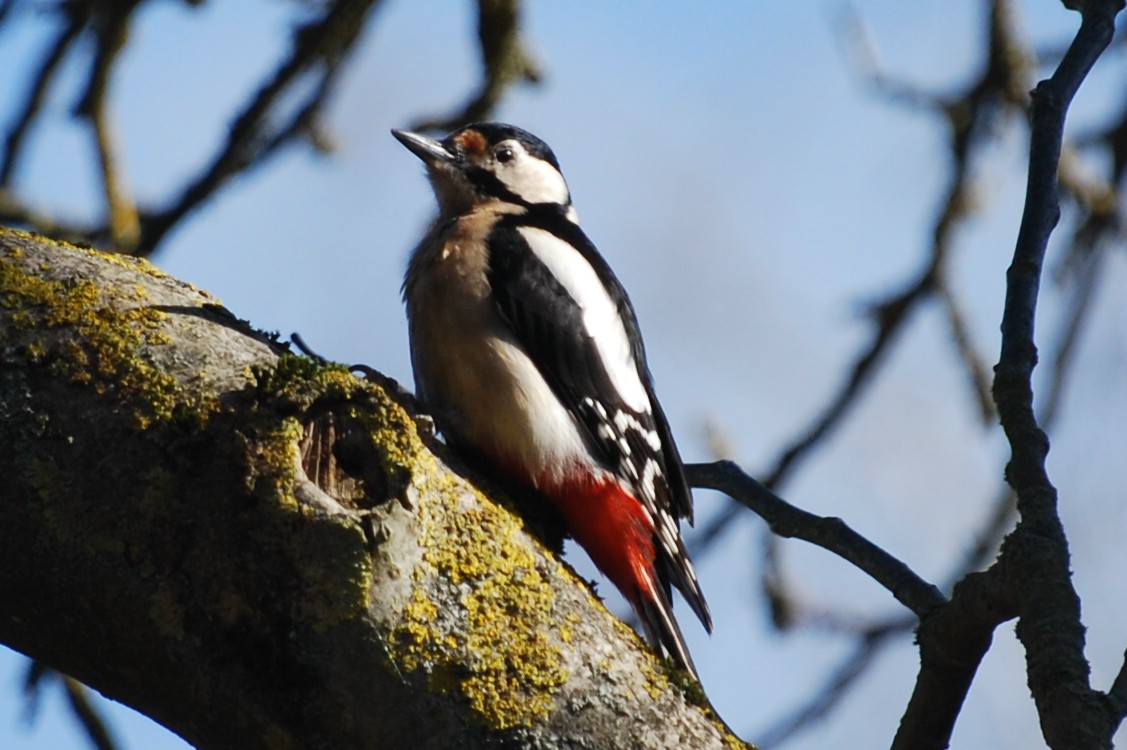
(680, 573)
(656, 615)
(618, 533)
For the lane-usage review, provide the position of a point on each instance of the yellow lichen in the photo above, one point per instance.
(486, 628)
(337, 588)
(107, 350)
(497, 647)
(274, 468)
(131, 262)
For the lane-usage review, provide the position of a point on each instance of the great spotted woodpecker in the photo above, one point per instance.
(527, 352)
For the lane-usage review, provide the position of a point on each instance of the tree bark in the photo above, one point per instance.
(260, 551)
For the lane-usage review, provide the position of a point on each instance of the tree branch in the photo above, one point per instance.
(1049, 625)
(831, 534)
(504, 59)
(867, 647)
(111, 23)
(1031, 578)
(36, 96)
(1117, 696)
(318, 50)
(999, 87)
(237, 528)
(78, 697)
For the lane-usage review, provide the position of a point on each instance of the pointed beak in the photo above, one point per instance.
(432, 152)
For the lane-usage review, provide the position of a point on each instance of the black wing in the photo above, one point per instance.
(548, 324)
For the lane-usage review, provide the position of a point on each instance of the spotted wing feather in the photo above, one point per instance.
(634, 444)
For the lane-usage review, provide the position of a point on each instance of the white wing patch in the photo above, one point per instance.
(600, 316)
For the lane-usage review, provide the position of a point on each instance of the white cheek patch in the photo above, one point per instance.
(600, 316)
(533, 180)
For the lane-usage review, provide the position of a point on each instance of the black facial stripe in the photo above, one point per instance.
(487, 183)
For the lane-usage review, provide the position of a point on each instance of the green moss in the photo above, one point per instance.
(56, 492)
(337, 588)
(107, 349)
(502, 656)
(298, 382)
(690, 688)
(490, 638)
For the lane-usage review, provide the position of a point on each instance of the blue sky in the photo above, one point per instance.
(752, 196)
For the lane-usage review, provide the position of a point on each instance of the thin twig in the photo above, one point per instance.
(1117, 695)
(831, 534)
(977, 373)
(836, 686)
(39, 677)
(505, 60)
(1087, 249)
(317, 49)
(112, 24)
(36, 96)
(88, 716)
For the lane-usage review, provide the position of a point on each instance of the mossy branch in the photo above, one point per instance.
(259, 551)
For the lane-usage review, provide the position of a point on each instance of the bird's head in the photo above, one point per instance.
(490, 161)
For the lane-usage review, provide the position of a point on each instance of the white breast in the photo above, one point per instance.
(471, 373)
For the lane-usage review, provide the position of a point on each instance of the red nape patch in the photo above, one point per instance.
(613, 528)
(472, 142)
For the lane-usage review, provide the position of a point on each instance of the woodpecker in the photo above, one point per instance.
(527, 352)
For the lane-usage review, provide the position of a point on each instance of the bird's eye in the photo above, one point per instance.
(504, 154)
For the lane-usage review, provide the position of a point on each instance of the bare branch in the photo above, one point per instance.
(978, 375)
(1031, 578)
(111, 22)
(1117, 695)
(505, 61)
(318, 50)
(78, 698)
(40, 676)
(831, 534)
(952, 643)
(999, 87)
(36, 96)
(868, 646)
(1049, 627)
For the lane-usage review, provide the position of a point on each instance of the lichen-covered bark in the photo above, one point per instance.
(262, 552)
